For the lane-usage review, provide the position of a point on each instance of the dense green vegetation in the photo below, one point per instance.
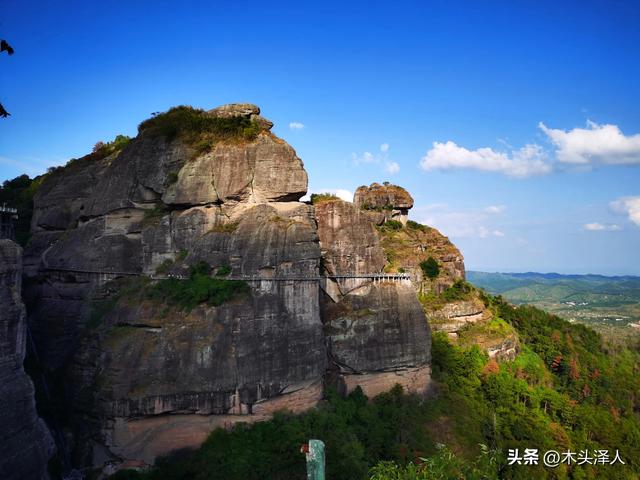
(460, 290)
(223, 271)
(561, 392)
(416, 226)
(444, 465)
(199, 288)
(377, 208)
(430, 267)
(391, 226)
(197, 128)
(18, 193)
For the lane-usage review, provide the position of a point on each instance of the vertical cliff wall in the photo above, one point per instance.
(25, 442)
(377, 333)
(142, 376)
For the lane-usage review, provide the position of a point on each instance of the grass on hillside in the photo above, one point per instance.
(317, 198)
(199, 288)
(459, 291)
(199, 129)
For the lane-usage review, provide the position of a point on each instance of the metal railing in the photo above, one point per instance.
(5, 209)
(246, 278)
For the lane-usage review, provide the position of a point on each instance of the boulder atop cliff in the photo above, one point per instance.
(386, 196)
(392, 200)
(183, 157)
(246, 110)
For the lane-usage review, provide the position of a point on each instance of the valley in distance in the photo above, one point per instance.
(608, 304)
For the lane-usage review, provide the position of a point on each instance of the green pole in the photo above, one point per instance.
(315, 459)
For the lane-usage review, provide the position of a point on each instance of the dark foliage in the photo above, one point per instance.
(18, 193)
(392, 225)
(460, 290)
(197, 289)
(416, 226)
(430, 267)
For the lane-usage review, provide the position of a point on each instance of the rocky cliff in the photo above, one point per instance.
(451, 304)
(26, 442)
(143, 376)
(376, 331)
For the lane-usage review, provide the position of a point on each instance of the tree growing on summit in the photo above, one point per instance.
(430, 267)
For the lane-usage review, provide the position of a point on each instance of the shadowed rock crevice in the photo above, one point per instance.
(26, 442)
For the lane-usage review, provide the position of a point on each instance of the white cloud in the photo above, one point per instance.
(296, 126)
(457, 224)
(595, 144)
(495, 209)
(381, 157)
(341, 193)
(366, 157)
(392, 167)
(598, 227)
(525, 162)
(629, 206)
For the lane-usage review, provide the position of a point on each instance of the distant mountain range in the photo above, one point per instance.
(594, 299)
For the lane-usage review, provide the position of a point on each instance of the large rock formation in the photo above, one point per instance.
(377, 333)
(450, 304)
(392, 200)
(142, 377)
(26, 444)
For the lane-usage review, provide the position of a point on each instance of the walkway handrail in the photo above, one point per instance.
(373, 276)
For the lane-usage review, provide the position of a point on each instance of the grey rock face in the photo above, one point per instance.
(212, 360)
(349, 242)
(456, 315)
(372, 328)
(144, 378)
(377, 327)
(264, 170)
(156, 202)
(25, 442)
(235, 110)
(247, 110)
(385, 196)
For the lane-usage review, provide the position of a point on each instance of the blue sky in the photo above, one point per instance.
(515, 125)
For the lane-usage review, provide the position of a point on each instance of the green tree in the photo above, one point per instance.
(430, 267)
